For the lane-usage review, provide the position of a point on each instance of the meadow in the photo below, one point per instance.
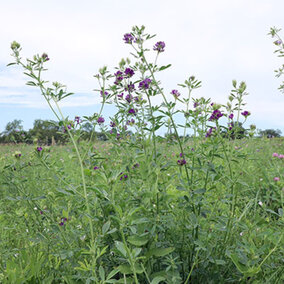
(141, 208)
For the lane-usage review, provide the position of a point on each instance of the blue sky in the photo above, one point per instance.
(216, 41)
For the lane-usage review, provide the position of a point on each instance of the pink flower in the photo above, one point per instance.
(275, 155)
(276, 179)
(281, 156)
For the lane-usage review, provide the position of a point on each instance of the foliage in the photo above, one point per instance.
(140, 208)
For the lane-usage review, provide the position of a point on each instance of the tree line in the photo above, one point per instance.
(48, 132)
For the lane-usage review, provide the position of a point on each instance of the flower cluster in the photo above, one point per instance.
(100, 120)
(128, 38)
(145, 84)
(245, 113)
(181, 162)
(45, 57)
(159, 46)
(123, 176)
(104, 93)
(132, 111)
(63, 220)
(216, 114)
(118, 77)
(210, 132)
(175, 93)
(280, 156)
(129, 72)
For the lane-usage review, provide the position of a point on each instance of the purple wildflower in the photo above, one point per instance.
(245, 113)
(120, 96)
(45, 57)
(135, 166)
(275, 155)
(132, 111)
(175, 93)
(96, 168)
(216, 114)
(128, 98)
(61, 224)
(18, 155)
(112, 124)
(77, 119)
(209, 132)
(39, 149)
(100, 120)
(128, 72)
(123, 176)
(104, 94)
(159, 46)
(276, 179)
(196, 104)
(130, 122)
(144, 85)
(231, 116)
(130, 88)
(278, 42)
(118, 77)
(181, 162)
(128, 38)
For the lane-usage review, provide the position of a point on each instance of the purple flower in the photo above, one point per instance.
(130, 88)
(196, 104)
(18, 155)
(245, 113)
(77, 119)
(216, 114)
(118, 77)
(278, 42)
(120, 96)
(175, 93)
(209, 132)
(132, 111)
(128, 38)
(231, 116)
(39, 149)
(112, 124)
(61, 224)
(96, 168)
(123, 176)
(104, 94)
(144, 85)
(130, 122)
(159, 46)
(181, 162)
(181, 155)
(275, 155)
(100, 120)
(128, 98)
(128, 72)
(276, 179)
(45, 57)
(135, 166)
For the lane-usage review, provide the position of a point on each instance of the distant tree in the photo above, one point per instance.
(235, 131)
(13, 132)
(44, 130)
(270, 133)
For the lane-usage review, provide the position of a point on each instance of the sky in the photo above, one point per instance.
(216, 41)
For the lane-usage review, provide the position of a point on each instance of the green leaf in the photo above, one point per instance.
(105, 227)
(112, 273)
(160, 251)
(102, 273)
(158, 279)
(165, 67)
(120, 248)
(138, 240)
(126, 269)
